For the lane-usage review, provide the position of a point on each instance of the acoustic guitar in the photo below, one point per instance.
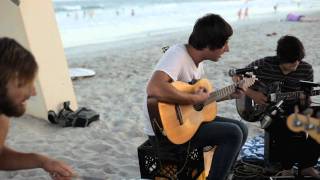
(180, 122)
(251, 112)
(298, 122)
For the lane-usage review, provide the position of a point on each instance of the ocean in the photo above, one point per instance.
(83, 22)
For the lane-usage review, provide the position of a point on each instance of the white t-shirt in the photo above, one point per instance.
(178, 64)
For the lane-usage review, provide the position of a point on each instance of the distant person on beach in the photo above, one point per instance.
(91, 13)
(184, 62)
(275, 7)
(84, 14)
(18, 71)
(132, 12)
(76, 15)
(244, 10)
(298, 2)
(287, 68)
(296, 17)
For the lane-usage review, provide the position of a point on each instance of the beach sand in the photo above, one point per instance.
(108, 148)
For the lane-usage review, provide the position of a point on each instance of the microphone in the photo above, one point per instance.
(308, 84)
(233, 72)
(267, 118)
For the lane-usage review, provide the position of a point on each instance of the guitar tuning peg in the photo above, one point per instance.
(308, 112)
(249, 73)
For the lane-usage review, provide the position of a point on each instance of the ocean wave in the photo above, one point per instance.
(78, 7)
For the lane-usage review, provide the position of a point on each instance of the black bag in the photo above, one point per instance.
(66, 117)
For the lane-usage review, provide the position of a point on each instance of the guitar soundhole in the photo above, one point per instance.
(198, 107)
(297, 123)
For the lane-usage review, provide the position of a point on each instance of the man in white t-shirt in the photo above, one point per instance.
(183, 62)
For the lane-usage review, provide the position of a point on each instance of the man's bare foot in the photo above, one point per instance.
(310, 171)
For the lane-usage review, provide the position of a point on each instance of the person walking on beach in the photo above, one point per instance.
(275, 7)
(18, 71)
(184, 62)
(298, 2)
(244, 10)
(288, 67)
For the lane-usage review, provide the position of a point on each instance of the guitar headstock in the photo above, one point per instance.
(246, 82)
(299, 122)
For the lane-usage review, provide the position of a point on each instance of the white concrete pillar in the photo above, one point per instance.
(33, 24)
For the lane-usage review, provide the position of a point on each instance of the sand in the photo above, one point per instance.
(108, 148)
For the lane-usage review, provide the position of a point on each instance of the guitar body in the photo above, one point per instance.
(248, 109)
(299, 123)
(181, 129)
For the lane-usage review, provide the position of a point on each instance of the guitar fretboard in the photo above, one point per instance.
(221, 93)
(293, 95)
(315, 92)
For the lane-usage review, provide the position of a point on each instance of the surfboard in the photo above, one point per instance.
(76, 73)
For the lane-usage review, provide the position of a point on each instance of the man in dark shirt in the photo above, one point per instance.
(288, 68)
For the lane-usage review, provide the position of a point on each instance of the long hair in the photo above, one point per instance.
(290, 49)
(16, 62)
(210, 31)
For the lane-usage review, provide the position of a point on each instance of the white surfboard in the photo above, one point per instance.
(76, 73)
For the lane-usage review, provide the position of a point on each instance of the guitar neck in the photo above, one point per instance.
(294, 95)
(315, 92)
(221, 93)
(288, 95)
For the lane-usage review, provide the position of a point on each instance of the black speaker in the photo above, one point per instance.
(271, 149)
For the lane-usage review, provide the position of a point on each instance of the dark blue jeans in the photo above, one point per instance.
(293, 147)
(227, 134)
